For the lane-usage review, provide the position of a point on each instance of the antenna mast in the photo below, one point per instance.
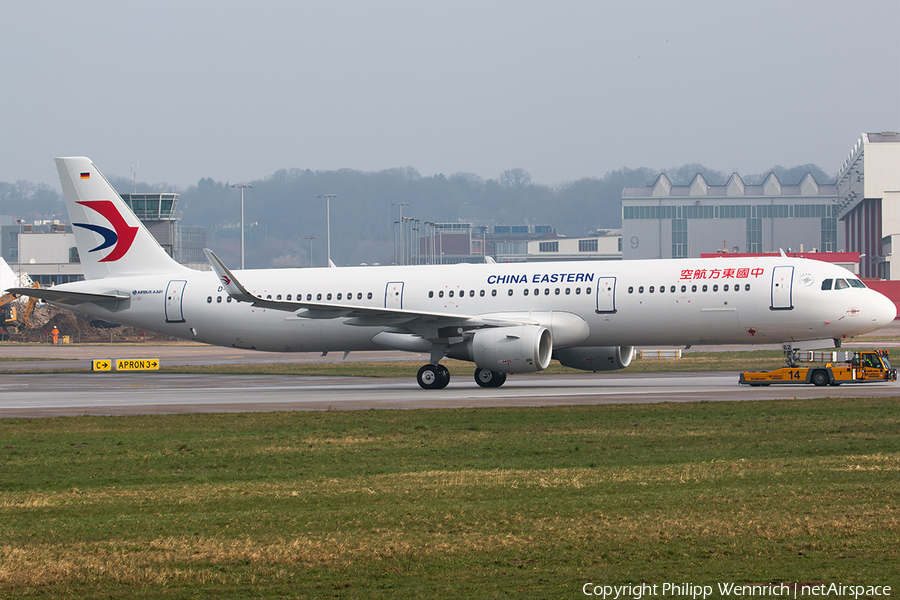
(134, 169)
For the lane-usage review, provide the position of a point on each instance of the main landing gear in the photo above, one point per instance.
(489, 379)
(436, 377)
(433, 377)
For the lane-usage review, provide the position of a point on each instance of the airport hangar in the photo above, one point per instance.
(859, 213)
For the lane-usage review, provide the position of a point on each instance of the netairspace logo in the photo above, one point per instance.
(698, 592)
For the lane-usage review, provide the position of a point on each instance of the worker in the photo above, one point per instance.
(55, 334)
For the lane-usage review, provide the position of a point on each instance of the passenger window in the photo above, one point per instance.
(651, 289)
(577, 291)
(672, 289)
(431, 294)
(630, 289)
(218, 299)
(278, 297)
(715, 288)
(525, 292)
(481, 293)
(662, 289)
(693, 288)
(209, 299)
(587, 290)
(269, 297)
(450, 293)
(568, 291)
(328, 297)
(339, 296)
(556, 291)
(359, 295)
(462, 293)
(228, 299)
(747, 288)
(309, 297)
(369, 296)
(319, 296)
(441, 294)
(493, 292)
(288, 297)
(510, 292)
(725, 288)
(471, 293)
(546, 291)
(640, 289)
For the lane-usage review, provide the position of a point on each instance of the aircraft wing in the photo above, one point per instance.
(69, 298)
(365, 316)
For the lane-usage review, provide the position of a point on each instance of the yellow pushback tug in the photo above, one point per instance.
(864, 366)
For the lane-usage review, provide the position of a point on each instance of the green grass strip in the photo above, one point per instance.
(467, 503)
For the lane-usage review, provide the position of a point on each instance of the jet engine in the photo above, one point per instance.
(522, 349)
(595, 358)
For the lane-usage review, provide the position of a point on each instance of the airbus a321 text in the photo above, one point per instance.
(505, 318)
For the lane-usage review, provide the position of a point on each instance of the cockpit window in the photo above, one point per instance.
(826, 284)
(856, 283)
(841, 284)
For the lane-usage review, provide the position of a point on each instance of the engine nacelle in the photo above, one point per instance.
(523, 349)
(595, 358)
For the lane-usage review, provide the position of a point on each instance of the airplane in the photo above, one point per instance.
(8, 278)
(505, 318)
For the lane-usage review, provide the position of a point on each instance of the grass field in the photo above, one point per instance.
(694, 361)
(469, 503)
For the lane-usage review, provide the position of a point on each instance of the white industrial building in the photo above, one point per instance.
(869, 203)
(669, 221)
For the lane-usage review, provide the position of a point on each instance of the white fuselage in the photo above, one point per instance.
(703, 301)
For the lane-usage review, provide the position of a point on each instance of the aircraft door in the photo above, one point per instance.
(174, 293)
(393, 295)
(782, 278)
(606, 295)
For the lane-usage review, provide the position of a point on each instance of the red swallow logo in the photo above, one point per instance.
(121, 234)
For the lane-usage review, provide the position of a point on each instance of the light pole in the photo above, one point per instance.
(402, 260)
(311, 238)
(19, 222)
(328, 198)
(242, 186)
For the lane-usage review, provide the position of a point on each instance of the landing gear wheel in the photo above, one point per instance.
(433, 377)
(443, 376)
(820, 378)
(489, 379)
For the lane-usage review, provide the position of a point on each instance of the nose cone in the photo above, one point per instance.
(884, 311)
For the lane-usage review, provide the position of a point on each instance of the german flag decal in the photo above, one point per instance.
(85, 175)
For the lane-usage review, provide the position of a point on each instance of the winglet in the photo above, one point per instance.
(232, 285)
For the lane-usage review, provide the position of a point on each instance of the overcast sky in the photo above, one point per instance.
(237, 90)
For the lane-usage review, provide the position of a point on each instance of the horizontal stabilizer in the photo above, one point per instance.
(70, 298)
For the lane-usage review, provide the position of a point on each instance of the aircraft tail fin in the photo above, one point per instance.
(8, 279)
(111, 240)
